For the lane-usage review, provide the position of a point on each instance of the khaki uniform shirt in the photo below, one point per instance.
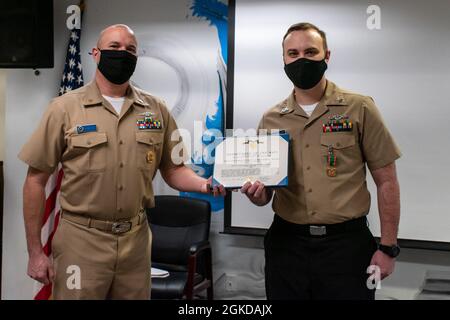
(312, 196)
(108, 172)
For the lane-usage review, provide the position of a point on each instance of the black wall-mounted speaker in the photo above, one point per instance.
(26, 34)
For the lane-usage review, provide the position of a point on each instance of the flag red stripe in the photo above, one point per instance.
(48, 246)
(50, 203)
(44, 293)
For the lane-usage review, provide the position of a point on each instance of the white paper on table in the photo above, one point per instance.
(159, 273)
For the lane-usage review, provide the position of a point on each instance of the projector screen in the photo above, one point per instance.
(396, 52)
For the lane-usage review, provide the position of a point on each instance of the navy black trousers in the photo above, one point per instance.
(329, 267)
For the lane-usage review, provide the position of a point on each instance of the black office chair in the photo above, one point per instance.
(180, 228)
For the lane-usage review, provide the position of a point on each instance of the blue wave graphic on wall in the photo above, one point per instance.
(216, 13)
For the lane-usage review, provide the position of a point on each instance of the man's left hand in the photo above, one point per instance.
(384, 262)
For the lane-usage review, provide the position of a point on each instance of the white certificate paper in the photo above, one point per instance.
(241, 159)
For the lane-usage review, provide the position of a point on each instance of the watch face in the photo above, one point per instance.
(395, 251)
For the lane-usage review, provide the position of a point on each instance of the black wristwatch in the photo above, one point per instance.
(391, 251)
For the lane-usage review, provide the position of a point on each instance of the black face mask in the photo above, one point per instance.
(117, 65)
(305, 73)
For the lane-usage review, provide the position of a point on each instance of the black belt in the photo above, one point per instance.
(320, 230)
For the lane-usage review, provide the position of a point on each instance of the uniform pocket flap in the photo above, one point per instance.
(89, 140)
(337, 141)
(149, 138)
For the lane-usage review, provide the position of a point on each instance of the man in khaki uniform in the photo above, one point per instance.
(110, 138)
(319, 245)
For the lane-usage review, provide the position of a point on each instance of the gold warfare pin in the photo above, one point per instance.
(150, 157)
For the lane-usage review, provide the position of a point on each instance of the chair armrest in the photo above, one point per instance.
(198, 247)
(194, 250)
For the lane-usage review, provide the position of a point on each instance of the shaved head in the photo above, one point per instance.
(115, 29)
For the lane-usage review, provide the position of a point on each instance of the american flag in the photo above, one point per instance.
(72, 78)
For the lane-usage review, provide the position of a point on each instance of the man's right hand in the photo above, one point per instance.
(257, 193)
(40, 268)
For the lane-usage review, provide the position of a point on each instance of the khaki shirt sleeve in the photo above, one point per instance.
(175, 145)
(378, 146)
(261, 125)
(44, 149)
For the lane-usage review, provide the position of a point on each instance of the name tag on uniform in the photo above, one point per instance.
(86, 128)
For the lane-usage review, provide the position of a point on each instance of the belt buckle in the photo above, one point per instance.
(317, 230)
(121, 227)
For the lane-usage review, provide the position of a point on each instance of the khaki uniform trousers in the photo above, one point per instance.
(95, 264)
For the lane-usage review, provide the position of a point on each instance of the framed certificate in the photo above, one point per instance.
(241, 159)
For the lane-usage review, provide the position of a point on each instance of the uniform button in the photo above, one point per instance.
(338, 144)
(307, 145)
(310, 190)
(120, 187)
(121, 142)
(88, 142)
(119, 209)
(308, 167)
(121, 165)
(313, 213)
